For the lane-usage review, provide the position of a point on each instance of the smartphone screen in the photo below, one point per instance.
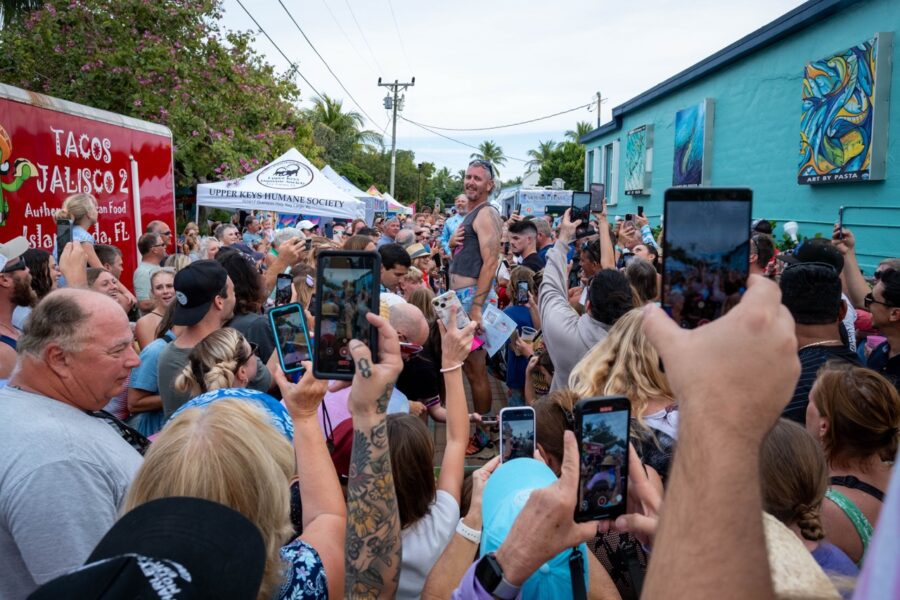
(63, 235)
(291, 336)
(640, 211)
(581, 206)
(841, 223)
(598, 193)
(602, 429)
(522, 293)
(283, 289)
(706, 250)
(516, 433)
(347, 288)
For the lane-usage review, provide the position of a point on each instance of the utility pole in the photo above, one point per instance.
(599, 102)
(391, 102)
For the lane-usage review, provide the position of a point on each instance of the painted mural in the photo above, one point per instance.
(692, 136)
(837, 125)
(637, 168)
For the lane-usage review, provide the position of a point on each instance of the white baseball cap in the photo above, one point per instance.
(306, 224)
(11, 250)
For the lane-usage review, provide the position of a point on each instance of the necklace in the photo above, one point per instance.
(153, 312)
(822, 343)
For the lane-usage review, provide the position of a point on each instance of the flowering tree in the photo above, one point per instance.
(165, 61)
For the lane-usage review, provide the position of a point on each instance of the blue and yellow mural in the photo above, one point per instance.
(836, 124)
(690, 139)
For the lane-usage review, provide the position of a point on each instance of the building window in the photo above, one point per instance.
(610, 161)
(589, 161)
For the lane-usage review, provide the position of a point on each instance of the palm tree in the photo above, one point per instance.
(492, 153)
(582, 128)
(539, 156)
(329, 112)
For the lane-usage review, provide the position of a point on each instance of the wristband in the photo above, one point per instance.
(453, 368)
(473, 535)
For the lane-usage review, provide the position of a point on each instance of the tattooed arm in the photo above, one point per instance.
(488, 227)
(372, 560)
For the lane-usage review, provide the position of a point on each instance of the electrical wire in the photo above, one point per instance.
(562, 112)
(447, 137)
(271, 41)
(347, 37)
(399, 36)
(325, 62)
(363, 35)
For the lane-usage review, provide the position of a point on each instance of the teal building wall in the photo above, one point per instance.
(756, 128)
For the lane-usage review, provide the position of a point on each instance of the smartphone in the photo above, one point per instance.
(437, 261)
(291, 336)
(442, 305)
(522, 293)
(308, 245)
(706, 252)
(283, 289)
(347, 287)
(602, 430)
(505, 247)
(516, 433)
(841, 223)
(581, 206)
(629, 217)
(329, 230)
(598, 194)
(63, 235)
(640, 212)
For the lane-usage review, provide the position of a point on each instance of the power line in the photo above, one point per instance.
(562, 112)
(447, 137)
(325, 62)
(363, 35)
(271, 41)
(347, 37)
(399, 36)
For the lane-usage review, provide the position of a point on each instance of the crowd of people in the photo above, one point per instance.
(152, 446)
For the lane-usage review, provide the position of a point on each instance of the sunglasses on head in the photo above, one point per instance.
(484, 164)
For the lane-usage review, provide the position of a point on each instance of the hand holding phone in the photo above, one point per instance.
(291, 337)
(522, 293)
(517, 439)
(581, 206)
(598, 197)
(602, 427)
(63, 235)
(640, 211)
(283, 288)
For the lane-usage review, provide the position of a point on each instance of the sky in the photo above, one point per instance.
(493, 62)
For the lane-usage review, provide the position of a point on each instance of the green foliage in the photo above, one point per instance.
(166, 61)
(565, 161)
(338, 133)
(582, 128)
(445, 186)
(11, 10)
(543, 152)
(489, 151)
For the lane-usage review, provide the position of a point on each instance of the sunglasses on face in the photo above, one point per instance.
(19, 265)
(869, 300)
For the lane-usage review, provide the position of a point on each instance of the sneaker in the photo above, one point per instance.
(478, 442)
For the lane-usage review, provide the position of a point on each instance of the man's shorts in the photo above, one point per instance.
(466, 297)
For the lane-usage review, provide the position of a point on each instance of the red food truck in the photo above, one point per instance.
(52, 148)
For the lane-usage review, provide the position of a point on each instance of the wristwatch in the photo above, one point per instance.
(490, 575)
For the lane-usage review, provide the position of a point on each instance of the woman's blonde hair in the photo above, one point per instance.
(625, 363)
(421, 298)
(213, 363)
(77, 207)
(177, 262)
(302, 274)
(413, 275)
(227, 452)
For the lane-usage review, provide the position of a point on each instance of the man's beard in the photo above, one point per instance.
(22, 294)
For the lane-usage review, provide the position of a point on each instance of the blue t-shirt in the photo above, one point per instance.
(304, 574)
(515, 364)
(144, 376)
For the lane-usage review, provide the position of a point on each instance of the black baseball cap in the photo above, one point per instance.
(815, 250)
(195, 288)
(175, 548)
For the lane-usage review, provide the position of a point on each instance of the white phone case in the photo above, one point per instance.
(442, 306)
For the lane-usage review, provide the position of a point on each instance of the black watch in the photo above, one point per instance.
(490, 575)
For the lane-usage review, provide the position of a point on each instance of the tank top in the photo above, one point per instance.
(467, 262)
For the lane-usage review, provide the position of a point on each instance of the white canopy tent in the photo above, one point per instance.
(344, 184)
(394, 205)
(289, 184)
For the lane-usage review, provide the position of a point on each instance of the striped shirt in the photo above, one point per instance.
(810, 360)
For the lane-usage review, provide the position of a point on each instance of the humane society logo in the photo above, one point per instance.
(285, 175)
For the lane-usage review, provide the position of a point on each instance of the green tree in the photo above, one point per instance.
(167, 62)
(11, 10)
(337, 132)
(566, 162)
(582, 128)
(491, 152)
(445, 186)
(539, 155)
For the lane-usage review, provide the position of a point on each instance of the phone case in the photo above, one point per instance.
(500, 419)
(289, 308)
(442, 305)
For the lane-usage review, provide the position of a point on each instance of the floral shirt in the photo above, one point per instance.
(304, 573)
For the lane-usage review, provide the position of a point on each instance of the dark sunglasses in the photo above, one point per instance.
(19, 265)
(869, 300)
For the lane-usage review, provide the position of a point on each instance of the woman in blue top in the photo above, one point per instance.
(81, 209)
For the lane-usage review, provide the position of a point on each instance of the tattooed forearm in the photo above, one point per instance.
(373, 522)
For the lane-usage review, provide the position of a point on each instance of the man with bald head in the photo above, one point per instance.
(420, 379)
(63, 472)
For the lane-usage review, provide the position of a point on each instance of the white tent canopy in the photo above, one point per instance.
(344, 184)
(289, 184)
(394, 205)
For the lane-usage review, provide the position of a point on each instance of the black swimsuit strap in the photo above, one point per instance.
(849, 481)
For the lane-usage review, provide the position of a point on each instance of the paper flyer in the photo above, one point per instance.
(497, 328)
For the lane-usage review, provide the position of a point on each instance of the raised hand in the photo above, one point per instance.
(373, 382)
(302, 399)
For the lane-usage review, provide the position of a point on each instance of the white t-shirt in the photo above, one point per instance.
(424, 542)
(850, 321)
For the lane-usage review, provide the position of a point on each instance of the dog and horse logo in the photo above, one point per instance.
(286, 175)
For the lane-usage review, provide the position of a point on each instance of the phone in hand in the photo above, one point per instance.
(329, 229)
(706, 252)
(602, 429)
(640, 211)
(629, 217)
(581, 207)
(308, 244)
(505, 247)
(516, 433)
(283, 284)
(598, 196)
(347, 288)
(291, 336)
(63, 235)
(840, 223)
(442, 305)
(522, 293)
